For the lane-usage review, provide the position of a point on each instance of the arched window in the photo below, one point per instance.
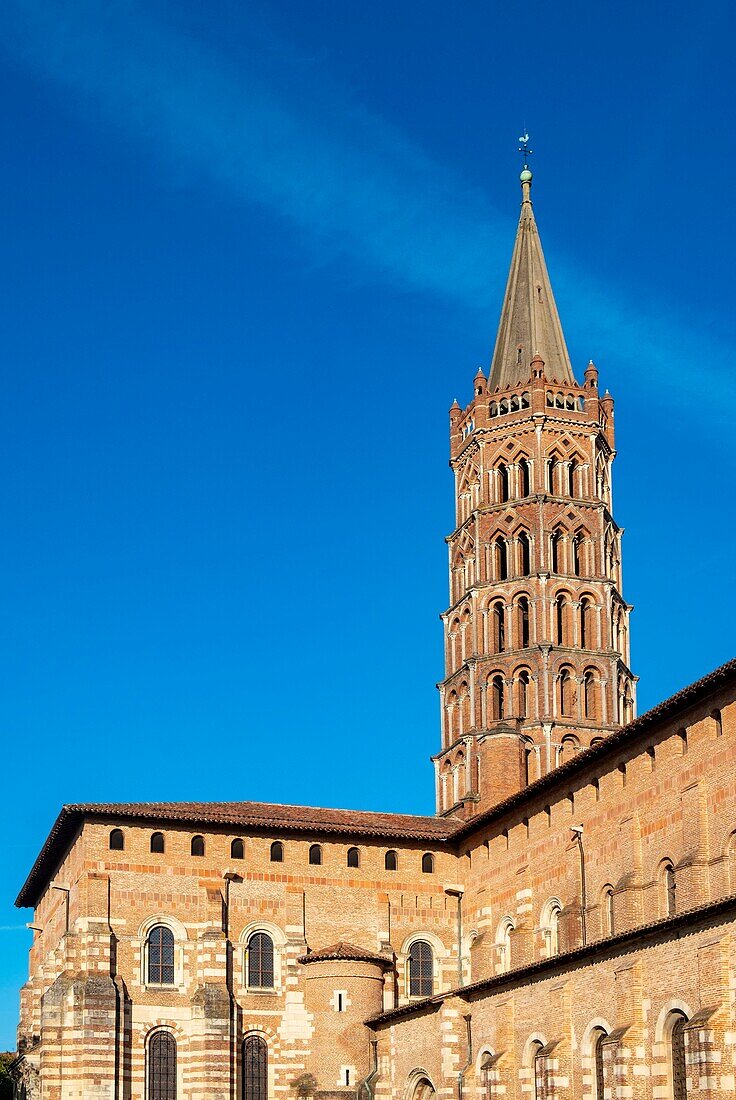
(561, 609)
(524, 554)
(608, 924)
(498, 613)
(523, 693)
(497, 709)
(255, 1068)
(421, 969)
(500, 559)
(315, 855)
(237, 850)
(161, 1066)
(427, 863)
(597, 1039)
(525, 481)
(197, 846)
(586, 623)
(669, 889)
(523, 613)
(260, 961)
(160, 956)
(568, 747)
(391, 862)
(590, 694)
(353, 857)
(158, 845)
(502, 472)
(565, 693)
(277, 852)
(503, 944)
(536, 1064)
(552, 465)
(678, 1064)
(554, 551)
(117, 840)
(551, 927)
(572, 467)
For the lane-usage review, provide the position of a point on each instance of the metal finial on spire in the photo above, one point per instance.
(525, 150)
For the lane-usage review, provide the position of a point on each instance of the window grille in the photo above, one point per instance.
(260, 961)
(255, 1068)
(162, 1066)
(161, 956)
(421, 969)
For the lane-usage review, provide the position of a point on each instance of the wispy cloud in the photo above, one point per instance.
(346, 179)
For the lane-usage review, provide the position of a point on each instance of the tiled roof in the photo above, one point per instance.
(238, 817)
(347, 951)
(674, 706)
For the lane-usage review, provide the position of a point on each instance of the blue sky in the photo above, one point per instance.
(250, 254)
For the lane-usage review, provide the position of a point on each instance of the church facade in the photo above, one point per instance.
(562, 929)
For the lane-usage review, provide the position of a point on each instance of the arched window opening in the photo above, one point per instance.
(160, 956)
(158, 844)
(259, 964)
(117, 840)
(353, 857)
(537, 1067)
(678, 1063)
(197, 847)
(525, 556)
(586, 623)
(498, 619)
(391, 862)
(575, 552)
(497, 702)
(255, 1068)
(315, 855)
(277, 852)
(502, 472)
(500, 554)
(552, 465)
(717, 722)
(553, 930)
(597, 1039)
(607, 911)
(421, 969)
(427, 863)
(523, 622)
(561, 619)
(162, 1066)
(572, 468)
(503, 944)
(669, 889)
(590, 695)
(568, 747)
(237, 849)
(523, 693)
(565, 690)
(525, 481)
(554, 546)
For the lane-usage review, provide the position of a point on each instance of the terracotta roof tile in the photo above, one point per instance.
(348, 951)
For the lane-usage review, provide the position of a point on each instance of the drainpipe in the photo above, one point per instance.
(372, 1076)
(577, 832)
(457, 892)
(469, 1055)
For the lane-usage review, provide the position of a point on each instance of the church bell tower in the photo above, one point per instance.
(537, 631)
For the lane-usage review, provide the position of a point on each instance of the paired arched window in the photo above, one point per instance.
(421, 969)
(277, 852)
(427, 863)
(158, 844)
(390, 861)
(315, 855)
(259, 961)
(237, 849)
(353, 857)
(197, 845)
(117, 840)
(255, 1068)
(161, 1057)
(160, 956)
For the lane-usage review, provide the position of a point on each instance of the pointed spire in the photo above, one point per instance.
(530, 324)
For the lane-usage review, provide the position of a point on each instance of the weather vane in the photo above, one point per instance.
(524, 148)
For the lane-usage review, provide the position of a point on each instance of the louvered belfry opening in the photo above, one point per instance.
(260, 961)
(255, 1068)
(162, 1066)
